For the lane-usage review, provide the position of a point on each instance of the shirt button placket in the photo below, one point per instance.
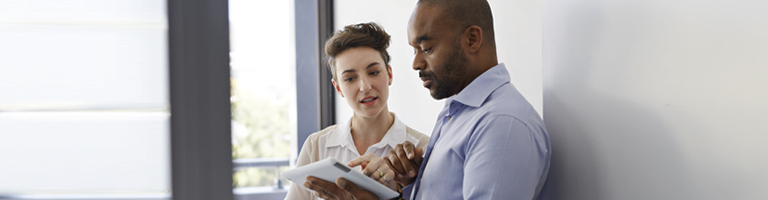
(451, 111)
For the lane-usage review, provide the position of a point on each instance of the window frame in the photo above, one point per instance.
(201, 152)
(315, 96)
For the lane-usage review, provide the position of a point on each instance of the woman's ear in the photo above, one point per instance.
(338, 89)
(389, 73)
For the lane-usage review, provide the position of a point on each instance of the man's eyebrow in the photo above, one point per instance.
(422, 38)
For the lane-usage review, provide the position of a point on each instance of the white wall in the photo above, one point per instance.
(518, 37)
(656, 99)
(642, 99)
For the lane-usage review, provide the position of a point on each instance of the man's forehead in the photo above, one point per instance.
(422, 22)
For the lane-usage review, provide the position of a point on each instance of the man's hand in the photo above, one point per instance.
(405, 161)
(342, 190)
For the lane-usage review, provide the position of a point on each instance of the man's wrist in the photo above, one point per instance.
(399, 191)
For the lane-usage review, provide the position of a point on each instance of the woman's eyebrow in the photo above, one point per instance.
(348, 71)
(372, 64)
(353, 70)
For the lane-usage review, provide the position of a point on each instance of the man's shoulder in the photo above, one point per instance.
(507, 101)
(505, 107)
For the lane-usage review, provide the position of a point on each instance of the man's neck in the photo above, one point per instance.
(473, 74)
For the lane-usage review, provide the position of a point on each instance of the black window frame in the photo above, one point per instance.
(201, 152)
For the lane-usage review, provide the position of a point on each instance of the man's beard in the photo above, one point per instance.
(453, 71)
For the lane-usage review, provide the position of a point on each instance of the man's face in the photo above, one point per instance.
(438, 55)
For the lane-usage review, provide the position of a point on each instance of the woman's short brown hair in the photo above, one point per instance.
(356, 35)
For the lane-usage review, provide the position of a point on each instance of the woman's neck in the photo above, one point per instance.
(367, 131)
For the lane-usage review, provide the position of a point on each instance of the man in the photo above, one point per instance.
(488, 141)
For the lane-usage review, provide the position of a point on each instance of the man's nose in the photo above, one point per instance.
(418, 62)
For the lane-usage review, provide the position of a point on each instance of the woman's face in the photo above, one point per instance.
(363, 79)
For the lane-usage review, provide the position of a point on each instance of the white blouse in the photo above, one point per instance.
(336, 141)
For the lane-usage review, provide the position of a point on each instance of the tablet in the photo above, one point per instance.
(330, 169)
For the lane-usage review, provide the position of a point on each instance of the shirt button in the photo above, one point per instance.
(452, 104)
(449, 117)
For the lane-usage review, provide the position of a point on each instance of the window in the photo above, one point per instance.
(84, 99)
(276, 100)
(262, 94)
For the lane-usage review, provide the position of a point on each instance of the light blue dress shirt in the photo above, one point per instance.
(488, 143)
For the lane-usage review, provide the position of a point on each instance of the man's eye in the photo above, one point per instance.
(427, 50)
(349, 79)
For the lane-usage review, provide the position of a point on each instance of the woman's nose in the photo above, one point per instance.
(365, 85)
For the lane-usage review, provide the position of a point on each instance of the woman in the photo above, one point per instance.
(359, 61)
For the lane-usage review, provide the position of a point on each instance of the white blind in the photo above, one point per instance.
(83, 97)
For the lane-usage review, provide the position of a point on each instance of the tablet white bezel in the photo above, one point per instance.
(330, 169)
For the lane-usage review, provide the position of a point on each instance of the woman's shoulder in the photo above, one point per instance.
(321, 135)
(312, 150)
(416, 137)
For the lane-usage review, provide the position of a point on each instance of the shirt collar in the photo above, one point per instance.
(342, 135)
(395, 135)
(479, 89)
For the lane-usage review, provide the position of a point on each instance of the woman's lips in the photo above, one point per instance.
(367, 101)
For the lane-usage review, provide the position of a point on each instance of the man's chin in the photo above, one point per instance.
(435, 95)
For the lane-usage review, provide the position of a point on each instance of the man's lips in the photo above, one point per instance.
(426, 81)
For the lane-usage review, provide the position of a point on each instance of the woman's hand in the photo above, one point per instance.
(376, 168)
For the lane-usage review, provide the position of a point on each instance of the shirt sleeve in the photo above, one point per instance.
(505, 159)
(423, 142)
(297, 192)
(407, 190)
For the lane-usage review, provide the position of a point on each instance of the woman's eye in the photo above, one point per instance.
(375, 72)
(349, 79)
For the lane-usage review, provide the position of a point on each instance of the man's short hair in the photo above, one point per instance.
(465, 13)
(357, 35)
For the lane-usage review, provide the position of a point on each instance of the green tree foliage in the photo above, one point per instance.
(266, 119)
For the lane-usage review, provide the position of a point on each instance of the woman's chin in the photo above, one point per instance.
(369, 113)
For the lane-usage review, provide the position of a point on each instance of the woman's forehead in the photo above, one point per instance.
(358, 58)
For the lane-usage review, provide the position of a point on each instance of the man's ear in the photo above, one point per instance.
(473, 38)
(338, 89)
